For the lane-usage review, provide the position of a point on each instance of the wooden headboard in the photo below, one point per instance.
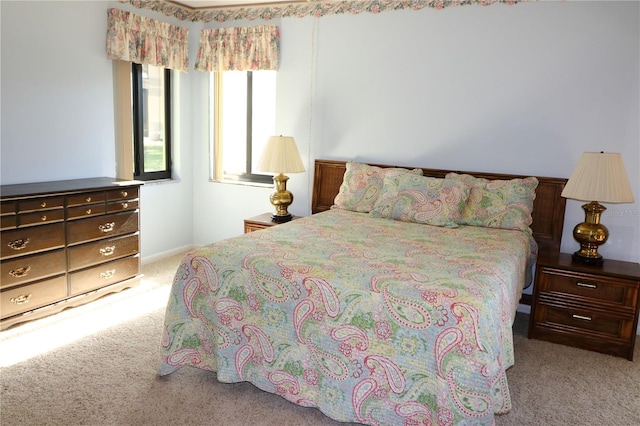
(548, 207)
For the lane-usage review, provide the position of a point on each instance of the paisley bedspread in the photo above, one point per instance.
(370, 320)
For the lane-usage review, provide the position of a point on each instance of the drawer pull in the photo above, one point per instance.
(107, 227)
(586, 285)
(108, 251)
(43, 217)
(581, 317)
(20, 272)
(125, 205)
(18, 244)
(21, 300)
(88, 211)
(43, 204)
(124, 193)
(107, 274)
(88, 199)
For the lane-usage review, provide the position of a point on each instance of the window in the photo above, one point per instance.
(151, 93)
(246, 118)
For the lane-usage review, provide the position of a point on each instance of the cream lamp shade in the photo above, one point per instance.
(599, 176)
(280, 155)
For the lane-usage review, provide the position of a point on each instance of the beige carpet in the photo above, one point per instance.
(103, 373)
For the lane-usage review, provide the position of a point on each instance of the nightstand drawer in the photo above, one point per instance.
(588, 289)
(588, 322)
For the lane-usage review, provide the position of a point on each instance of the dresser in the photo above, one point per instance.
(66, 243)
(586, 306)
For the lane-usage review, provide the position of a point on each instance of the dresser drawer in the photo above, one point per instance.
(8, 207)
(101, 227)
(8, 221)
(30, 268)
(30, 240)
(86, 198)
(86, 210)
(588, 289)
(102, 251)
(103, 275)
(41, 204)
(122, 194)
(122, 206)
(20, 299)
(43, 216)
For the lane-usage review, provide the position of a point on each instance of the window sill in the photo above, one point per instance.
(242, 183)
(160, 182)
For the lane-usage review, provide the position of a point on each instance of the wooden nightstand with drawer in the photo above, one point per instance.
(586, 306)
(262, 221)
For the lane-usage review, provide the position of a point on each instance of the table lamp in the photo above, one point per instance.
(598, 177)
(280, 155)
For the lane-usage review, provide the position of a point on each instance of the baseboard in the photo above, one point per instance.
(163, 255)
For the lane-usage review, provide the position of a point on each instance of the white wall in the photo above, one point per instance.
(57, 112)
(516, 89)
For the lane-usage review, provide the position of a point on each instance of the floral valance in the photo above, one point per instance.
(142, 40)
(299, 8)
(239, 49)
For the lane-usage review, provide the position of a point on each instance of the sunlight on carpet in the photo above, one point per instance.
(41, 336)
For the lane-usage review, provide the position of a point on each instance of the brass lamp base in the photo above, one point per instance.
(281, 198)
(590, 234)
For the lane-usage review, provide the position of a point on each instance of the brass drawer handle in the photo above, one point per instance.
(108, 251)
(581, 317)
(20, 272)
(108, 274)
(88, 211)
(586, 285)
(88, 199)
(124, 193)
(43, 217)
(43, 204)
(18, 244)
(125, 205)
(21, 300)
(107, 227)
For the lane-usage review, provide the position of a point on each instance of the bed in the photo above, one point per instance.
(395, 310)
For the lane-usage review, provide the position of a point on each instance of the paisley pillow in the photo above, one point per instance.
(362, 184)
(421, 199)
(505, 204)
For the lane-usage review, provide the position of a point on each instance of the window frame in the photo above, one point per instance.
(138, 126)
(249, 175)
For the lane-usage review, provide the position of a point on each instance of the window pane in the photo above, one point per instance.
(234, 121)
(154, 114)
(264, 112)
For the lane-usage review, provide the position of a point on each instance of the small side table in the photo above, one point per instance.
(586, 306)
(262, 221)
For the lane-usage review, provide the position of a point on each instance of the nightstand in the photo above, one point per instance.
(586, 306)
(262, 221)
